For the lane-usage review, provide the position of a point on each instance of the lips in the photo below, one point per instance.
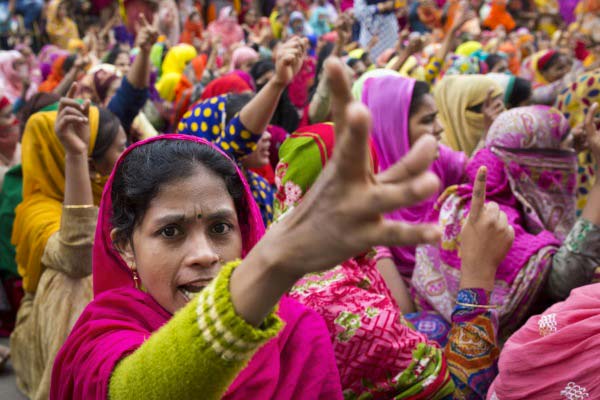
(189, 290)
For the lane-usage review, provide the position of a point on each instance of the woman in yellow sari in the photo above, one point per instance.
(460, 100)
(60, 28)
(64, 169)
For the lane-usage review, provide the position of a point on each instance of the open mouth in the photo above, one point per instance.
(191, 289)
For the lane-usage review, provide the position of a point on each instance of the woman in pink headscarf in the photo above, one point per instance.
(227, 28)
(15, 76)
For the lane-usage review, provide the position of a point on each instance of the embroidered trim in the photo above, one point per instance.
(574, 392)
(547, 324)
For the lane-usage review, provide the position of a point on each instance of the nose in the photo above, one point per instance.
(437, 128)
(200, 252)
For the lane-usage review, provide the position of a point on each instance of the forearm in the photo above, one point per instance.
(394, 282)
(205, 345)
(591, 211)
(78, 189)
(320, 105)
(574, 263)
(398, 62)
(139, 74)
(257, 114)
(65, 84)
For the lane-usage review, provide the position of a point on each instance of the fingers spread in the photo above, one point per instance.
(352, 150)
(418, 159)
(339, 85)
(393, 233)
(390, 197)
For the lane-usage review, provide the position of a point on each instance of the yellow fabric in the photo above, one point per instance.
(356, 54)
(454, 95)
(177, 58)
(468, 48)
(38, 215)
(60, 31)
(167, 84)
(537, 75)
(411, 68)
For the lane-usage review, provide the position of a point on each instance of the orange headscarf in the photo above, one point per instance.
(55, 77)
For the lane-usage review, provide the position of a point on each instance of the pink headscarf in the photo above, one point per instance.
(227, 27)
(10, 80)
(120, 319)
(242, 55)
(388, 98)
(555, 355)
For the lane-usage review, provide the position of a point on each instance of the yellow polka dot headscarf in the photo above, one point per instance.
(205, 119)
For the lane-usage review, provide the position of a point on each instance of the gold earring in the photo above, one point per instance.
(97, 177)
(136, 277)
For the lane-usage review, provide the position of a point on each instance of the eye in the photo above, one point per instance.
(170, 232)
(221, 228)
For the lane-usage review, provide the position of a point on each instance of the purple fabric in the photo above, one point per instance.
(121, 318)
(567, 10)
(388, 98)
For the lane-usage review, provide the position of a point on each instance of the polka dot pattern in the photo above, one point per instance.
(264, 196)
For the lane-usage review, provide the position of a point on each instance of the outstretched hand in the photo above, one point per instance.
(485, 239)
(147, 34)
(343, 213)
(72, 124)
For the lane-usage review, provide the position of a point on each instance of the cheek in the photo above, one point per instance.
(233, 249)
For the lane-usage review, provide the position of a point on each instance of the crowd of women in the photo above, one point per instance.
(365, 199)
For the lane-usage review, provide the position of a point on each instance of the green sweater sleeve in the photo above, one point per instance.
(198, 353)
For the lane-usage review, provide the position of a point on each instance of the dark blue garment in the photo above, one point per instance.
(127, 103)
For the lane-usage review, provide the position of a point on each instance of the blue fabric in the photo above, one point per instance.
(127, 103)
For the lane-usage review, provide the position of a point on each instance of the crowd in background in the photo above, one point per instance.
(300, 198)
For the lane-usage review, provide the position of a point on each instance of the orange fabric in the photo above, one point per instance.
(499, 16)
(191, 31)
(452, 9)
(430, 16)
(199, 65)
(183, 96)
(514, 65)
(55, 77)
(211, 13)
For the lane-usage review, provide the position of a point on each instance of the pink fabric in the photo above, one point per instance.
(227, 27)
(371, 339)
(388, 98)
(554, 355)
(243, 55)
(298, 88)
(299, 362)
(10, 81)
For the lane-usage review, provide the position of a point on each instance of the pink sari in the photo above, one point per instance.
(298, 363)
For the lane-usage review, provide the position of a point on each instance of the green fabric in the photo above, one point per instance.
(10, 197)
(178, 360)
(298, 168)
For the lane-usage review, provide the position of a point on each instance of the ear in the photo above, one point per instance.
(124, 247)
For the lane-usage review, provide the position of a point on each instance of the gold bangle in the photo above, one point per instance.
(78, 206)
(476, 305)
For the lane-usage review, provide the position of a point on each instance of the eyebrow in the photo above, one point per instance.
(178, 218)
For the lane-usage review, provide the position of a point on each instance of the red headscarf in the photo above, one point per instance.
(231, 83)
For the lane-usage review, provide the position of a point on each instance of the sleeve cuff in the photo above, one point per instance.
(229, 335)
(584, 238)
(77, 224)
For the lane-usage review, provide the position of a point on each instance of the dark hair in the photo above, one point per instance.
(492, 60)
(36, 103)
(112, 56)
(353, 61)
(420, 90)
(147, 168)
(554, 58)
(234, 104)
(108, 128)
(521, 91)
(260, 68)
(69, 62)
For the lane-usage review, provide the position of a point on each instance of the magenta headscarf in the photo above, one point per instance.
(121, 318)
(388, 98)
(555, 355)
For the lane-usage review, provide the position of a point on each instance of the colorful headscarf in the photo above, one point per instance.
(463, 65)
(555, 355)
(38, 215)
(97, 82)
(10, 80)
(371, 339)
(468, 48)
(121, 318)
(227, 27)
(56, 75)
(574, 102)
(454, 96)
(243, 55)
(388, 98)
(177, 58)
(532, 180)
(230, 83)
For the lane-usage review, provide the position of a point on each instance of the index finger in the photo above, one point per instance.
(72, 91)
(341, 96)
(143, 21)
(479, 187)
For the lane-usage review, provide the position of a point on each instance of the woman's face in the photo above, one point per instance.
(105, 165)
(501, 66)
(424, 121)
(260, 156)
(112, 90)
(21, 68)
(558, 70)
(250, 18)
(189, 231)
(123, 63)
(8, 121)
